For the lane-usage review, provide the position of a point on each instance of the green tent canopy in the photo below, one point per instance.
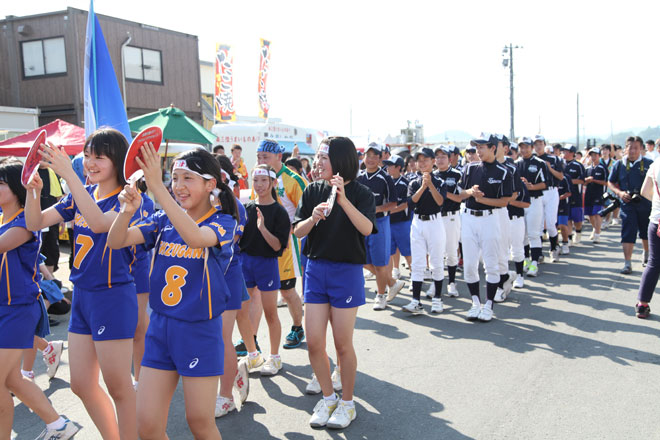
(176, 126)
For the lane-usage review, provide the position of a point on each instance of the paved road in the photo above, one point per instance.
(564, 358)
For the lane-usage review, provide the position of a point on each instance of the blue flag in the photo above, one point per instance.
(104, 106)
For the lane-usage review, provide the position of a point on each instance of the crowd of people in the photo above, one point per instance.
(206, 263)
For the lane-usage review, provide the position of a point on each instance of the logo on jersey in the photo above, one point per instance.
(168, 228)
(194, 363)
(349, 299)
(492, 181)
(450, 181)
(533, 168)
(101, 330)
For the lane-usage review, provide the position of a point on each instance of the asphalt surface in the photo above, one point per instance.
(565, 357)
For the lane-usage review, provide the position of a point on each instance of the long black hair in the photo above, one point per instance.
(10, 173)
(112, 144)
(203, 162)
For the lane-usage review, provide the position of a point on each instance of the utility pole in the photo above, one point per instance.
(577, 137)
(508, 62)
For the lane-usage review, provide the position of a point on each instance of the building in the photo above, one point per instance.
(44, 55)
(16, 120)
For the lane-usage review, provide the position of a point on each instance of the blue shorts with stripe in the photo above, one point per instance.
(18, 325)
(236, 284)
(263, 272)
(379, 245)
(400, 232)
(106, 314)
(329, 282)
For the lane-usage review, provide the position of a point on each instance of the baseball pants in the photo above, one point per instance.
(480, 237)
(534, 222)
(502, 216)
(517, 238)
(452, 223)
(427, 237)
(550, 207)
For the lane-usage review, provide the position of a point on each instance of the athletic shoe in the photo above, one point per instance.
(428, 275)
(380, 302)
(272, 366)
(413, 307)
(342, 416)
(336, 379)
(526, 264)
(642, 311)
(396, 273)
(294, 338)
(51, 357)
(242, 380)
(591, 236)
(66, 432)
(627, 270)
(280, 301)
(314, 387)
(368, 275)
(541, 259)
(645, 259)
(519, 283)
(241, 349)
(473, 313)
(605, 225)
(554, 256)
(508, 284)
(545, 236)
(616, 221)
(430, 292)
(436, 305)
(596, 238)
(577, 237)
(28, 375)
(254, 362)
(499, 295)
(322, 411)
(564, 249)
(394, 290)
(452, 291)
(486, 314)
(533, 270)
(223, 406)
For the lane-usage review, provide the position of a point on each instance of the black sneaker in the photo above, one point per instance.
(627, 270)
(643, 311)
(294, 338)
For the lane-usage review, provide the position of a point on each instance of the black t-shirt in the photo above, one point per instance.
(46, 199)
(401, 192)
(535, 171)
(556, 164)
(593, 193)
(426, 204)
(381, 185)
(277, 222)
(451, 176)
(564, 187)
(494, 180)
(335, 238)
(575, 170)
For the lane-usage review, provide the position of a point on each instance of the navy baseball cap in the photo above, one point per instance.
(513, 146)
(539, 137)
(445, 149)
(386, 148)
(378, 148)
(394, 159)
(525, 140)
(484, 138)
(454, 149)
(569, 148)
(425, 152)
(595, 150)
(502, 138)
(470, 149)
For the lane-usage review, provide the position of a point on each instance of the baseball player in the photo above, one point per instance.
(576, 171)
(550, 194)
(399, 224)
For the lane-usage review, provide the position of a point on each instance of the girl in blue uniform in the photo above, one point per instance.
(104, 308)
(21, 308)
(334, 284)
(192, 243)
(264, 239)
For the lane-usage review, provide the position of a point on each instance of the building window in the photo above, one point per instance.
(43, 57)
(143, 64)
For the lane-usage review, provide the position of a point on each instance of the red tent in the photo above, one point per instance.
(60, 133)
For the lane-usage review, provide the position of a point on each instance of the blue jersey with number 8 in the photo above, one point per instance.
(188, 284)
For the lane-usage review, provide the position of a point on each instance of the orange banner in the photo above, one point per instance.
(264, 68)
(224, 84)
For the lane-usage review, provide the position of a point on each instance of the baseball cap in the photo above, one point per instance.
(595, 150)
(394, 159)
(539, 137)
(445, 149)
(484, 138)
(470, 149)
(425, 152)
(386, 148)
(513, 146)
(525, 140)
(569, 148)
(378, 148)
(502, 138)
(453, 149)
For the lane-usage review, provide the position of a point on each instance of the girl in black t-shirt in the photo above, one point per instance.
(265, 236)
(333, 280)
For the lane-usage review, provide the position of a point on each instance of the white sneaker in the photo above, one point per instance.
(533, 270)
(473, 313)
(554, 256)
(499, 295)
(342, 416)
(452, 291)
(52, 359)
(519, 283)
(322, 411)
(486, 314)
(223, 406)
(336, 379)
(242, 380)
(428, 275)
(564, 249)
(436, 305)
(64, 433)
(591, 236)
(254, 362)
(368, 275)
(508, 284)
(577, 237)
(413, 307)
(605, 225)
(430, 292)
(616, 221)
(380, 303)
(394, 290)
(272, 366)
(596, 238)
(28, 375)
(396, 273)
(314, 387)
(280, 301)
(526, 264)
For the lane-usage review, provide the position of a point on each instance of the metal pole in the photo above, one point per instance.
(511, 133)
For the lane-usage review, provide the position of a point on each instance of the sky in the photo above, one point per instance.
(436, 62)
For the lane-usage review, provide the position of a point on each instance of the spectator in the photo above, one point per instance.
(219, 149)
(50, 194)
(650, 150)
(239, 166)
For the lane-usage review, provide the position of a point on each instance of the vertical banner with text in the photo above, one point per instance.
(264, 67)
(224, 80)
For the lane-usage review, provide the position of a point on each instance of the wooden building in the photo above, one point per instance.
(44, 55)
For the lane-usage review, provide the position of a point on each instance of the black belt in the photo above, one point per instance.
(445, 214)
(513, 217)
(478, 212)
(535, 197)
(425, 218)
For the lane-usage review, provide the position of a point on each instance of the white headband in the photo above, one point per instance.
(263, 172)
(324, 148)
(182, 165)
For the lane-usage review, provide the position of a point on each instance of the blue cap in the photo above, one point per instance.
(484, 138)
(425, 152)
(395, 159)
(525, 140)
(539, 137)
(445, 149)
(378, 148)
(595, 150)
(270, 146)
(569, 148)
(502, 138)
(513, 146)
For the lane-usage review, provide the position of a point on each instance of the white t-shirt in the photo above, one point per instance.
(654, 172)
(653, 155)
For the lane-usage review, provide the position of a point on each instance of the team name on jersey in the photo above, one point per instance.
(177, 250)
(491, 180)
(79, 221)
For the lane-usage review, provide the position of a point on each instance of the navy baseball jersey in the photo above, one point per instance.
(381, 185)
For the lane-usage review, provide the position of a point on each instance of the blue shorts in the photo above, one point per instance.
(400, 232)
(634, 220)
(263, 272)
(592, 210)
(576, 215)
(236, 284)
(562, 220)
(18, 325)
(339, 284)
(106, 314)
(190, 348)
(140, 271)
(378, 245)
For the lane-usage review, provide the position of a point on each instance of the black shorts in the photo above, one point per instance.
(50, 245)
(288, 284)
